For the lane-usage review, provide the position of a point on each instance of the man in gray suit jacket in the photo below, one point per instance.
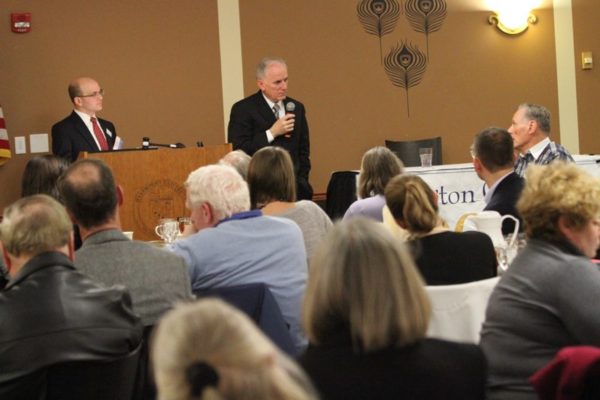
(156, 279)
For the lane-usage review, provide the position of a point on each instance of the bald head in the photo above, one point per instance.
(86, 95)
(78, 85)
(89, 192)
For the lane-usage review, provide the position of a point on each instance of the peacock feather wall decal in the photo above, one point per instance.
(426, 16)
(405, 66)
(378, 17)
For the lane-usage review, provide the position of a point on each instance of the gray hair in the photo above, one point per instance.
(34, 225)
(264, 64)
(539, 114)
(221, 186)
(239, 160)
(379, 164)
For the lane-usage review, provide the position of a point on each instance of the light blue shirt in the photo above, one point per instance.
(251, 250)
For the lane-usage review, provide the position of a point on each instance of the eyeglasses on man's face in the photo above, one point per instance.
(93, 94)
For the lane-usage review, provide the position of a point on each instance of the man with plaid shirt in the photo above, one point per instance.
(530, 129)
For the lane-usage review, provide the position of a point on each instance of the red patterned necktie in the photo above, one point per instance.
(99, 135)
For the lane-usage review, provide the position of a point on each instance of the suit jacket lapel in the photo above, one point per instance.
(263, 108)
(84, 131)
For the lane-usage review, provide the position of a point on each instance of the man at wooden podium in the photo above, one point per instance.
(270, 118)
(82, 130)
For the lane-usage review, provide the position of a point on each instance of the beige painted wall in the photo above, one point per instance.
(475, 78)
(161, 67)
(586, 13)
(158, 63)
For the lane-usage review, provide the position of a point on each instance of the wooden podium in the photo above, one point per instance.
(152, 182)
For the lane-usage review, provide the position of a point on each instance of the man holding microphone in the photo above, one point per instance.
(269, 117)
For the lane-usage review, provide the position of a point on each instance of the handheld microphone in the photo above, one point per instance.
(290, 107)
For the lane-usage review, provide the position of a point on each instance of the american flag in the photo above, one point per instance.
(4, 142)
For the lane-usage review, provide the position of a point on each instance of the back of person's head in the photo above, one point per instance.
(41, 175)
(378, 166)
(89, 192)
(412, 202)
(209, 350)
(539, 114)
(555, 190)
(34, 225)
(494, 147)
(221, 186)
(237, 159)
(364, 280)
(271, 177)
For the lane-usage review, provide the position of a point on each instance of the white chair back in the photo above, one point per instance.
(459, 310)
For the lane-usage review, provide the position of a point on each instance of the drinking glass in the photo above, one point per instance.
(426, 155)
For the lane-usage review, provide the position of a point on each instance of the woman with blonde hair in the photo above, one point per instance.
(377, 167)
(547, 298)
(366, 314)
(209, 350)
(273, 190)
(442, 256)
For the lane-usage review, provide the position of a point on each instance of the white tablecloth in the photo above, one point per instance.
(461, 191)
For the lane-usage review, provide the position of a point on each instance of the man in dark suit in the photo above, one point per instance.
(493, 160)
(82, 130)
(269, 117)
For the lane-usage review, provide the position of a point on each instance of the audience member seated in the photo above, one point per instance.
(273, 190)
(442, 256)
(493, 161)
(530, 130)
(234, 245)
(239, 160)
(377, 167)
(210, 350)
(155, 278)
(41, 177)
(546, 299)
(366, 315)
(49, 312)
